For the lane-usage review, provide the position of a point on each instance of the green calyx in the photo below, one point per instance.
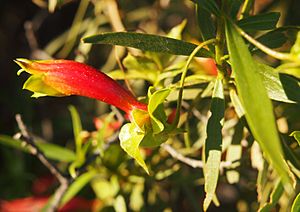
(39, 88)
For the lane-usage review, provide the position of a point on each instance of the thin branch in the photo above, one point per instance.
(37, 53)
(64, 182)
(189, 161)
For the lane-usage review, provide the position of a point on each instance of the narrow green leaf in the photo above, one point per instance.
(257, 105)
(77, 128)
(296, 204)
(51, 151)
(56, 152)
(209, 6)
(130, 139)
(212, 167)
(213, 143)
(280, 87)
(77, 185)
(234, 7)
(215, 122)
(147, 42)
(205, 24)
(265, 21)
(277, 37)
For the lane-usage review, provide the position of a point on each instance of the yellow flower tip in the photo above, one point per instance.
(23, 63)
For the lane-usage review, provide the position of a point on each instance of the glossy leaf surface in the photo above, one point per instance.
(257, 105)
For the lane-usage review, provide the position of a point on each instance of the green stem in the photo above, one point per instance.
(183, 75)
(265, 49)
(246, 8)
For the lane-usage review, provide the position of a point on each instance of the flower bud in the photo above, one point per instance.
(66, 77)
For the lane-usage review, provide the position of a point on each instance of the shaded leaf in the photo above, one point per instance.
(51, 151)
(77, 128)
(209, 6)
(265, 21)
(257, 106)
(277, 37)
(207, 29)
(147, 42)
(215, 122)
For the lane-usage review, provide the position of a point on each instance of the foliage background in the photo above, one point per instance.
(50, 118)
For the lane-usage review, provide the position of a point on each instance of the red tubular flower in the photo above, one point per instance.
(65, 77)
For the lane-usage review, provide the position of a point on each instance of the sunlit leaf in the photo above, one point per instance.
(296, 204)
(274, 197)
(212, 167)
(296, 135)
(120, 204)
(35, 84)
(104, 188)
(176, 31)
(130, 139)
(156, 110)
(257, 106)
(234, 153)
(141, 66)
(295, 50)
(136, 197)
(280, 87)
(147, 42)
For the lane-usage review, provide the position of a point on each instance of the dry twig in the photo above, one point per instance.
(64, 181)
(189, 161)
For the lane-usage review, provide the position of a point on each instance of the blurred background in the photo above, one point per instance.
(33, 29)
